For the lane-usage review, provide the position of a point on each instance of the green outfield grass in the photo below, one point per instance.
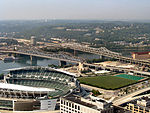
(106, 82)
(130, 77)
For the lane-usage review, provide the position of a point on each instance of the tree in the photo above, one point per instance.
(1, 76)
(96, 92)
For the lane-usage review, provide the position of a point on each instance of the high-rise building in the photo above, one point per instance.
(33, 40)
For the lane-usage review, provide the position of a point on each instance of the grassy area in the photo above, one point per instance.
(106, 82)
(130, 77)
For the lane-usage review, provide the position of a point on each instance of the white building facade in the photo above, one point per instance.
(75, 104)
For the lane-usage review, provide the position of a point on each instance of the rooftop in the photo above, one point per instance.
(141, 53)
(77, 99)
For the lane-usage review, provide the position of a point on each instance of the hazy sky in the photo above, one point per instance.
(75, 9)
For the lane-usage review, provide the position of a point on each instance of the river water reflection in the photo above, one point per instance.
(25, 61)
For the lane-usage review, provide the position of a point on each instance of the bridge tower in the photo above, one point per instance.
(33, 60)
(31, 57)
(74, 52)
(101, 57)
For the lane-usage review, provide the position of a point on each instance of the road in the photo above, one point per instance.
(128, 97)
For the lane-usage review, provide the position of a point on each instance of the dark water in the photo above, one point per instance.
(25, 61)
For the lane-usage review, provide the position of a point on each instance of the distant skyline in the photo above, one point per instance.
(75, 9)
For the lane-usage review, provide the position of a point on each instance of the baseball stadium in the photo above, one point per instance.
(35, 88)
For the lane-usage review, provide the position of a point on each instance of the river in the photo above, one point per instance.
(25, 61)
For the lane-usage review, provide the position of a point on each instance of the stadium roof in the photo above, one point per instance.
(24, 88)
(66, 72)
(59, 70)
(13, 69)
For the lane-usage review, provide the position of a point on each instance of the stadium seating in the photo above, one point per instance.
(38, 77)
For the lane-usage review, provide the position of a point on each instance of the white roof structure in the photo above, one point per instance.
(102, 71)
(13, 69)
(24, 88)
(60, 70)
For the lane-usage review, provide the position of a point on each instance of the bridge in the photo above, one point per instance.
(60, 57)
(68, 58)
(105, 52)
(99, 51)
